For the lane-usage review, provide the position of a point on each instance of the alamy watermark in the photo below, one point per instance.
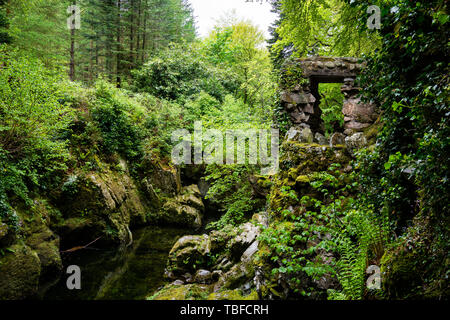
(374, 21)
(374, 280)
(212, 146)
(74, 280)
(74, 21)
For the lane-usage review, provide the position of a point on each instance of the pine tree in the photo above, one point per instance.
(4, 24)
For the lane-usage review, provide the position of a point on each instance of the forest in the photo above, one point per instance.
(99, 99)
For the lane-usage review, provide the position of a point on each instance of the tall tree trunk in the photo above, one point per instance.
(91, 64)
(144, 36)
(119, 53)
(132, 30)
(72, 55)
(72, 48)
(138, 31)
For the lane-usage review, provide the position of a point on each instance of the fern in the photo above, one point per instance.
(372, 234)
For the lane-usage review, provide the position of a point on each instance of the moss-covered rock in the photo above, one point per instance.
(398, 272)
(233, 295)
(164, 178)
(416, 266)
(247, 234)
(102, 204)
(19, 273)
(3, 230)
(188, 254)
(220, 238)
(46, 245)
(310, 157)
(240, 274)
(184, 210)
(200, 292)
(182, 292)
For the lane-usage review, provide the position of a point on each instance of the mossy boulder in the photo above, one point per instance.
(220, 238)
(164, 178)
(102, 204)
(415, 267)
(233, 295)
(182, 292)
(240, 274)
(355, 142)
(7, 236)
(78, 231)
(19, 273)
(3, 230)
(298, 164)
(200, 292)
(185, 210)
(397, 272)
(188, 254)
(46, 245)
(307, 158)
(247, 234)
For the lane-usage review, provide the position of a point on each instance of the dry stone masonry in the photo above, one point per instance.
(301, 98)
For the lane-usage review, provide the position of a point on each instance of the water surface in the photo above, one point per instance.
(121, 273)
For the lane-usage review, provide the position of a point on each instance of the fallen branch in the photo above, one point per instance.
(80, 247)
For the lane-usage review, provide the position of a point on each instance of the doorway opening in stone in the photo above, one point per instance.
(331, 102)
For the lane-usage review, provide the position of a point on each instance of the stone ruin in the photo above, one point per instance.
(301, 98)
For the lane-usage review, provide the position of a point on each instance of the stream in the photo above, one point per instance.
(118, 274)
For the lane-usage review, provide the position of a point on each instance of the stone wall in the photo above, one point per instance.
(301, 98)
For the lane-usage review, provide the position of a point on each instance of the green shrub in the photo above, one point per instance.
(120, 133)
(31, 114)
(33, 152)
(231, 191)
(179, 72)
(331, 105)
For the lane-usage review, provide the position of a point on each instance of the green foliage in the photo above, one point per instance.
(413, 94)
(291, 75)
(218, 48)
(372, 236)
(39, 29)
(32, 150)
(31, 112)
(248, 60)
(120, 134)
(296, 241)
(323, 27)
(406, 176)
(162, 117)
(333, 222)
(231, 191)
(179, 72)
(4, 24)
(331, 105)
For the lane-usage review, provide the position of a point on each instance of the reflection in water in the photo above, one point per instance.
(121, 274)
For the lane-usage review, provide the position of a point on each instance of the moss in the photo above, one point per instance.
(308, 158)
(189, 254)
(233, 295)
(19, 273)
(46, 245)
(264, 182)
(417, 264)
(238, 275)
(398, 272)
(263, 253)
(3, 230)
(182, 292)
(303, 179)
(184, 210)
(372, 131)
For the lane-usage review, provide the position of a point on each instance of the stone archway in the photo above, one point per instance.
(301, 98)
